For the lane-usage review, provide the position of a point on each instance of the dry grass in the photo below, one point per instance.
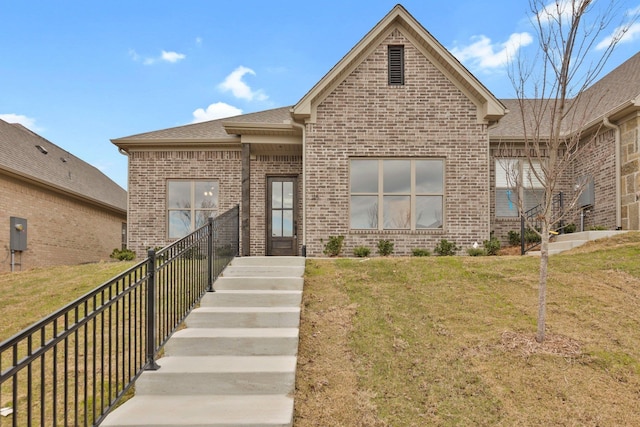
(33, 294)
(449, 341)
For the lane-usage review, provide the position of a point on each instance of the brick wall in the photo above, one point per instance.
(60, 230)
(630, 174)
(148, 175)
(427, 117)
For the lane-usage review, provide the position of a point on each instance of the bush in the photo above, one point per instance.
(446, 248)
(385, 247)
(491, 246)
(530, 236)
(597, 228)
(361, 251)
(570, 228)
(514, 238)
(123, 254)
(334, 246)
(421, 252)
(476, 251)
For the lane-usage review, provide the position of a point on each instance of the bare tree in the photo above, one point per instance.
(553, 98)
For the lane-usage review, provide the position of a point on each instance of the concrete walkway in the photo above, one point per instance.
(235, 363)
(565, 242)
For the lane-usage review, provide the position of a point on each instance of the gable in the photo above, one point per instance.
(489, 109)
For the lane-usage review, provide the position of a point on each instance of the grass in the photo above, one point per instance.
(450, 340)
(34, 294)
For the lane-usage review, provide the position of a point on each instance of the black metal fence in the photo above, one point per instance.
(74, 366)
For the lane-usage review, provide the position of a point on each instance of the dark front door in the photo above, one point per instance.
(281, 216)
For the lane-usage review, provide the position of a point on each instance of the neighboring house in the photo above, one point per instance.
(397, 141)
(69, 211)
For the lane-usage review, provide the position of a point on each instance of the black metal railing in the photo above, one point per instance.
(532, 220)
(72, 367)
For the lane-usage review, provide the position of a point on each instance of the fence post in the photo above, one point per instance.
(151, 312)
(210, 256)
(237, 236)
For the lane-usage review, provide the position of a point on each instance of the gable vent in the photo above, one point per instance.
(41, 149)
(396, 65)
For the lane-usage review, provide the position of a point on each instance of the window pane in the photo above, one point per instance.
(202, 217)
(287, 195)
(276, 223)
(506, 202)
(287, 223)
(397, 212)
(364, 176)
(397, 176)
(179, 194)
(364, 212)
(276, 195)
(428, 212)
(429, 176)
(179, 224)
(206, 195)
(506, 173)
(531, 174)
(532, 198)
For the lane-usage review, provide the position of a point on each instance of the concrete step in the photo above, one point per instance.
(201, 411)
(263, 271)
(244, 317)
(233, 341)
(211, 375)
(565, 242)
(268, 261)
(259, 283)
(251, 298)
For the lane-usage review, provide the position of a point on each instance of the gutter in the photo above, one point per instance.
(616, 128)
(304, 184)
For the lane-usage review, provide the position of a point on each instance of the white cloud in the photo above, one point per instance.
(623, 34)
(198, 41)
(219, 110)
(485, 55)
(25, 121)
(233, 83)
(172, 56)
(556, 10)
(165, 56)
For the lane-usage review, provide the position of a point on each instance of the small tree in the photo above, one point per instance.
(555, 106)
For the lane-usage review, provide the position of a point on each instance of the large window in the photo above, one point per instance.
(515, 179)
(189, 204)
(397, 194)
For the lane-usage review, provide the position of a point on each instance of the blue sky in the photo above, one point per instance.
(80, 73)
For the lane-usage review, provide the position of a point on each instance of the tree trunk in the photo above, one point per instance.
(542, 287)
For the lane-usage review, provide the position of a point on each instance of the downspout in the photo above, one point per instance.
(304, 185)
(616, 128)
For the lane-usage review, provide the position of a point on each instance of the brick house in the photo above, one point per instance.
(397, 141)
(69, 211)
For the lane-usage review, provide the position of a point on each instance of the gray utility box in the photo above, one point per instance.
(588, 196)
(18, 234)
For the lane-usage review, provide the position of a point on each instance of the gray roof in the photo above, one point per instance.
(54, 167)
(210, 130)
(615, 90)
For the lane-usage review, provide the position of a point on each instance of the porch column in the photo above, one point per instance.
(246, 199)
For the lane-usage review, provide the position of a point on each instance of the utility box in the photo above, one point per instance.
(588, 195)
(18, 234)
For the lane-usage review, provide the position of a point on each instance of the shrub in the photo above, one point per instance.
(530, 236)
(421, 252)
(361, 251)
(570, 228)
(491, 246)
(334, 246)
(446, 248)
(597, 228)
(476, 251)
(514, 238)
(385, 247)
(123, 254)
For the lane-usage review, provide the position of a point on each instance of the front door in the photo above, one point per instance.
(281, 216)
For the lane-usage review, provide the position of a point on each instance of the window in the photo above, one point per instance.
(508, 173)
(396, 65)
(396, 194)
(189, 204)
